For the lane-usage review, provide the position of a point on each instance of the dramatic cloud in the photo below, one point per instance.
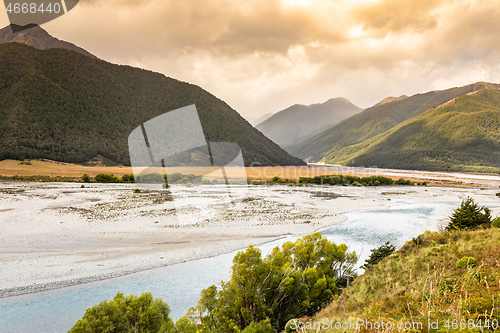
(264, 55)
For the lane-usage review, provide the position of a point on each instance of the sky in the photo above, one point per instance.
(262, 56)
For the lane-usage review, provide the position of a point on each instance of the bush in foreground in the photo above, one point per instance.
(469, 216)
(130, 314)
(378, 254)
(264, 293)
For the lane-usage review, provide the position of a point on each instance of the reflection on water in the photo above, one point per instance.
(180, 285)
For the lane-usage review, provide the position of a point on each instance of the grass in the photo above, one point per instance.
(52, 171)
(422, 282)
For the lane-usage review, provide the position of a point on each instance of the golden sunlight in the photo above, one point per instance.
(296, 3)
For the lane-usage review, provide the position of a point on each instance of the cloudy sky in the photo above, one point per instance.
(262, 56)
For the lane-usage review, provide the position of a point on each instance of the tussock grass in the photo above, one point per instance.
(421, 282)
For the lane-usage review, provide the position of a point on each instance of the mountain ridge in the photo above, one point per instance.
(33, 35)
(299, 122)
(462, 134)
(62, 105)
(376, 120)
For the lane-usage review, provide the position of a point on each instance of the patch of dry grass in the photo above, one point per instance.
(421, 283)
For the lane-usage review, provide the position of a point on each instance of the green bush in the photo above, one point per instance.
(137, 190)
(447, 286)
(296, 279)
(107, 178)
(496, 222)
(469, 216)
(128, 178)
(465, 262)
(402, 181)
(86, 178)
(378, 254)
(127, 314)
(184, 325)
(260, 327)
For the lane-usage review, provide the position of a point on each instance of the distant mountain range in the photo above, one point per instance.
(300, 122)
(456, 129)
(258, 120)
(63, 104)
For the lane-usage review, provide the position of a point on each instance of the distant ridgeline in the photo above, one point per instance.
(451, 130)
(61, 105)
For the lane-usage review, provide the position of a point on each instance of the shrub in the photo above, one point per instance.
(402, 181)
(378, 254)
(447, 286)
(128, 178)
(465, 262)
(263, 326)
(293, 280)
(86, 178)
(469, 216)
(496, 222)
(137, 190)
(107, 178)
(127, 314)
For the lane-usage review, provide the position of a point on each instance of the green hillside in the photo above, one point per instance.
(376, 120)
(461, 135)
(61, 105)
(426, 281)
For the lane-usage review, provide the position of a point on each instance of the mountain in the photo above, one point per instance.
(460, 135)
(376, 120)
(62, 105)
(391, 99)
(264, 117)
(300, 122)
(35, 36)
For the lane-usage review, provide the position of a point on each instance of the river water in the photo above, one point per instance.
(180, 284)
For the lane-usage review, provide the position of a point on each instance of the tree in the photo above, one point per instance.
(260, 327)
(294, 280)
(86, 178)
(378, 254)
(107, 178)
(130, 314)
(469, 216)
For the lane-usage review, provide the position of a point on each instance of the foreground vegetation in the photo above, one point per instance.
(262, 295)
(451, 278)
(444, 281)
(437, 282)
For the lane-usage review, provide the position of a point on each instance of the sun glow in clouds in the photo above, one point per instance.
(296, 3)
